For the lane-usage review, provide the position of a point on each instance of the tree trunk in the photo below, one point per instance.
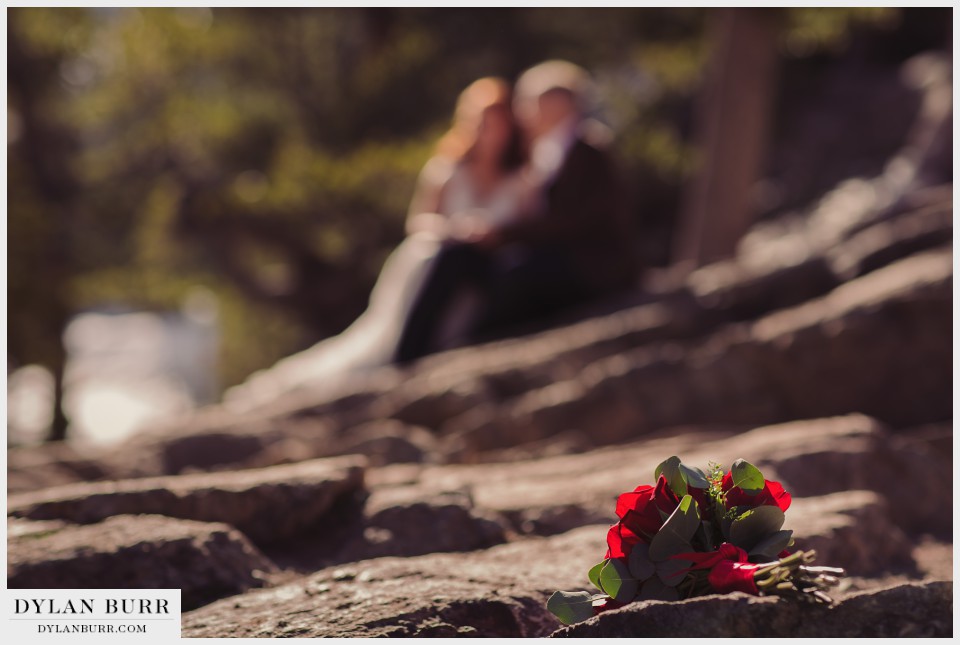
(58, 427)
(47, 148)
(733, 119)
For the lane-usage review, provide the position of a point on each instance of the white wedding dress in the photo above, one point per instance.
(371, 341)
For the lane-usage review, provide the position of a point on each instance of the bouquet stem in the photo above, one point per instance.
(792, 577)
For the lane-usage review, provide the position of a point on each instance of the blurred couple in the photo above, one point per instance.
(517, 215)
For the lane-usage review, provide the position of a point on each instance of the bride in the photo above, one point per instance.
(474, 181)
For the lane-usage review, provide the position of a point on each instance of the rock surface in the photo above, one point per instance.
(266, 504)
(497, 592)
(445, 522)
(33, 467)
(731, 344)
(416, 509)
(812, 458)
(480, 504)
(821, 353)
(385, 525)
(876, 345)
(500, 591)
(205, 560)
(922, 610)
(851, 530)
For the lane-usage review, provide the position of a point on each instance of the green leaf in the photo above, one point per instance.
(571, 606)
(669, 571)
(594, 574)
(747, 476)
(694, 477)
(659, 469)
(617, 582)
(639, 562)
(706, 535)
(654, 589)
(670, 469)
(754, 526)
(770, 547)
(675, 534)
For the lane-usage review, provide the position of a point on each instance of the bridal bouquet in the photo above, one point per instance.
(694, 534)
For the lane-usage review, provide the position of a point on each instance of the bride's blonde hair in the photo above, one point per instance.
(483, 94)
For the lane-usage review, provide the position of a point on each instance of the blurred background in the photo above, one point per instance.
(195, 193)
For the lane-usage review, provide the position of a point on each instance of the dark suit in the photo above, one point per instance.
(579, 247)
(585, 221)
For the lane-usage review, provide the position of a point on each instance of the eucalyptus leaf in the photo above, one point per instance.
(594, 574)
(754, 526)
(639, 562)
(571, 606)
(670, 571)
(670, 469)
(706, 535)
(747, 477)
(659, 469)
(617, 581)
(694, 477)
(769, 548)
(675, 534)
(654, 589)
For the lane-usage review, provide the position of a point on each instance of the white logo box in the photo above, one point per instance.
(145, 616)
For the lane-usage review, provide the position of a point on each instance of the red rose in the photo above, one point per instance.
(641, 510)
(771, 495)
(640, 518)
(620, 541)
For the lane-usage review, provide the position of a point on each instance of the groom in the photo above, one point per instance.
(574, 247)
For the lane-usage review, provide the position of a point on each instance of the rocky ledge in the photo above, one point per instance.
(204, 560)
(904, 611)
(451, 498)
(414, 549)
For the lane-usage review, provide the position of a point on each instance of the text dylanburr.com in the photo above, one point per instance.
(93, 615)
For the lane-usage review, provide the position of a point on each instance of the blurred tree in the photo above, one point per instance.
(734, 118)
(735, 114)
(42, 207)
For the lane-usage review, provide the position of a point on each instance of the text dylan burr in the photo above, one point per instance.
(123, 606)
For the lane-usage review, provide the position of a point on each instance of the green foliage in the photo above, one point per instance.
(812, 29)
(639, 562)
(755, 525)
(694, 477)
(675, 534)
(671, 572)
(769, 548)
(679, 476)
(617, 581)
(670, 469)
(594, 574)
(571, 606)
(656, 589)
(747, 477)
